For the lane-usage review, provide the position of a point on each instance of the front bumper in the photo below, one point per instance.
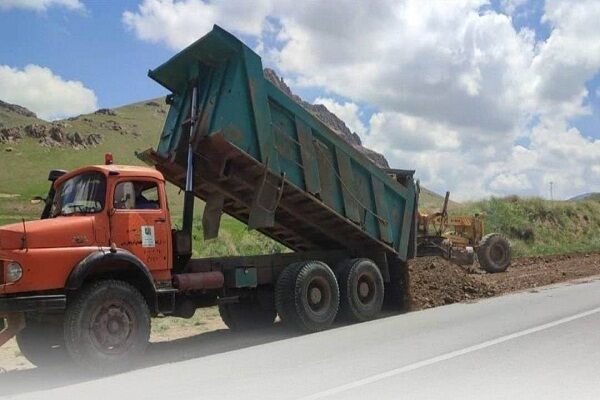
(13, 309)
(41, 304)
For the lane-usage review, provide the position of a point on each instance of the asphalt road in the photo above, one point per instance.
(542, 344)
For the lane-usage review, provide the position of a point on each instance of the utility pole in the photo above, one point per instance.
(551, 190)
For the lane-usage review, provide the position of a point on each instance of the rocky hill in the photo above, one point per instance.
(586, 196)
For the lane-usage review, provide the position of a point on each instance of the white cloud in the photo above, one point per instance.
(509, 183)
(401, 131)
(180, 23)
(41, 5)
(348, 112)
(457, 87)
(48, 95)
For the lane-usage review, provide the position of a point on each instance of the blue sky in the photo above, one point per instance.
(91, 46)
(508, 90)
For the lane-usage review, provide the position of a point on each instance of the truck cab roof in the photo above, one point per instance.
(121, 170)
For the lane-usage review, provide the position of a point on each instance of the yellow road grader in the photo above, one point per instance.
(460, 239)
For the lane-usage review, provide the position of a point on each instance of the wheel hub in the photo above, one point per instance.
(315, 295)
(366, 288)
(363, 289)
(318, 295)
(112, 327)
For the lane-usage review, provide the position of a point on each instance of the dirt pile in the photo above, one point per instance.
(329, 119)
(435, 282)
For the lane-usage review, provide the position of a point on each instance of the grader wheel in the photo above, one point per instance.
(494, 253)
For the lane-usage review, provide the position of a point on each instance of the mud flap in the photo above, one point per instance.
(211, 218)
(10, 325)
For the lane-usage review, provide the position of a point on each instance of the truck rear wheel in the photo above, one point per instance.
(107, 325)
(361, 289)
(246, 316)
(494, 253)
(307, 296)
(43, 344)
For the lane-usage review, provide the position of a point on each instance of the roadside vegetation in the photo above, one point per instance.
(536, 226)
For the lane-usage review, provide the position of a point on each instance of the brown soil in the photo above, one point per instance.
(434, 282)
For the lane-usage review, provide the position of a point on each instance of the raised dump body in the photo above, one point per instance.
(262, 158)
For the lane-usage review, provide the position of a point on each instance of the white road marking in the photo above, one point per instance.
(447, 356)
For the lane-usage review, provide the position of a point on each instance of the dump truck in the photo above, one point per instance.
(85, 279)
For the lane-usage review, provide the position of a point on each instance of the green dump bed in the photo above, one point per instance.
(262, 158)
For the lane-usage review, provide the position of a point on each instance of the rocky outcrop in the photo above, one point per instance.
(36, 131)
(329, 119)
(105, 111)
(10, 135)
(53, 135)
(17, 109)
(112, 125)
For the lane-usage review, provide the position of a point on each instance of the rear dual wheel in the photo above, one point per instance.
(361, 289)
(307, 296)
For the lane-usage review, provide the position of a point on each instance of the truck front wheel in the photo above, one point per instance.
(107, 325)
(43, 344)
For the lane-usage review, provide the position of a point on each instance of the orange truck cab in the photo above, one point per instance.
(103, 221)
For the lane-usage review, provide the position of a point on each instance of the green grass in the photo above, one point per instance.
(538, 227)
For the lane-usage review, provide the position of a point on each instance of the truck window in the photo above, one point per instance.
(81, 194)
(136, 195)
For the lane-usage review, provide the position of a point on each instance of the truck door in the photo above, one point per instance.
(140, 221)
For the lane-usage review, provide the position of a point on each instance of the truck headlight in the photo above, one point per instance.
(13, 271)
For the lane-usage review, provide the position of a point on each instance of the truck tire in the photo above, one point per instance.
(361, 289)
(107, 326)
(494, 253)
(43, 344)
(246, 316)
(307, 296)
(397, 290)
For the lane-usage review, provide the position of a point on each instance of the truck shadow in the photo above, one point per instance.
(198, 346)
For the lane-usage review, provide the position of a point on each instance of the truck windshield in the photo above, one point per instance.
(81, 194)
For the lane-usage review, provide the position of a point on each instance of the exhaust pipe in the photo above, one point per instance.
(199, 281)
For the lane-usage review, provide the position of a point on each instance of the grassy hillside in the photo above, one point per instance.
(536, 226)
